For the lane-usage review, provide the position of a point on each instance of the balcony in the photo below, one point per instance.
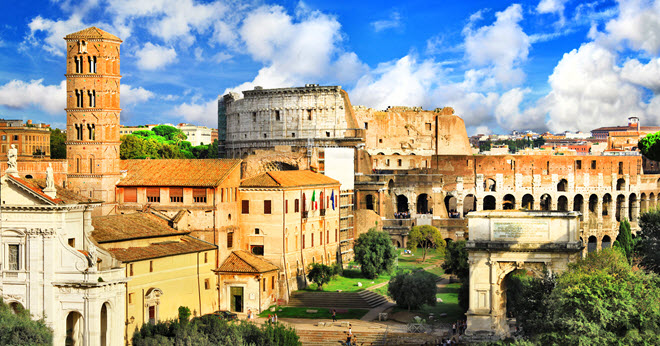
(305, 214)
(322, 212)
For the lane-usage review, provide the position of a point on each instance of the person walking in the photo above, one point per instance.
(334, 315)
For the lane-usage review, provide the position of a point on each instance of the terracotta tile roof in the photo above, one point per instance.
(241, 261)
(177, 172)
(112, 228)
(288, 179)
(186, 245)
(34, 189)
(63, 196)
(92, 32)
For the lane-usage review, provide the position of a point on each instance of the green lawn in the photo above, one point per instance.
(413, 261)
(348, 282)
(449, 305)
(322, 313)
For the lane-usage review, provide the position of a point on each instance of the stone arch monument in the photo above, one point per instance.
(503, 241)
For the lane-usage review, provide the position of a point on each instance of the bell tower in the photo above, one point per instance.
(92, 111)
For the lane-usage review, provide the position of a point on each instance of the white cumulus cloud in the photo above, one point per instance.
(153, 56)
(19, 94)
(638, 25)
(393, 22)
(131, 95)
(205, 113)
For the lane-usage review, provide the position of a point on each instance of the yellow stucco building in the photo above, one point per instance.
(166, 267)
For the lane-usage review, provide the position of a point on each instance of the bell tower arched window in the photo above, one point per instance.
(92, 97)
(92, 64)
(91, 131)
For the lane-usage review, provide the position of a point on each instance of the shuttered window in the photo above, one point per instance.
(245, 207)
(176, 194)
(153, 194)
(267, 207)
(130, 195)
(199, 195)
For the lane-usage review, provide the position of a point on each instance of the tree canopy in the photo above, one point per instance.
(320, 274)
(599, 300)
(210, 330)
(375, 253)
(648, 241)
(624, 240)
(57, 144)
(413, 289)
(650, 146)
(19, 329)
(427, 237)
(163, 142)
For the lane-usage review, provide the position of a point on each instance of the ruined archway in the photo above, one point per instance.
(469, 204)
(501, 243)
(401, 204)
(607, 203)
(562, 203)
(606, 242)
(489, 203)
(546, 202)
(369, 202)
(528, 202)
(578, 205)
(593, 206)
(450, 204)
(620, 207)
(490, 185)
(592, 244)
(644, 203)
(423, 204)
(632, 207)
(562, 186)
(620, 185)
(652, 203)
(508, 202)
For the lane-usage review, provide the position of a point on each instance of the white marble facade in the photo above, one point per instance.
(49, 265)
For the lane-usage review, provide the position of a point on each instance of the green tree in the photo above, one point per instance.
(375, 253)
(456, 257)
(648, 241)
(624, 240)
(320, 274)
(184, 315)
(57, 144)
(601, 300)
(413, 289)
(650, 146)
(427, 237)
(171, 133)
(19, 328)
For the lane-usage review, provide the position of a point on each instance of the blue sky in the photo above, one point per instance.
(546, 65)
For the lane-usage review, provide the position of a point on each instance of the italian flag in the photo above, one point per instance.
(314, 200)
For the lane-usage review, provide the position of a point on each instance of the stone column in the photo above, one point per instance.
(480, 203)
(599, 210)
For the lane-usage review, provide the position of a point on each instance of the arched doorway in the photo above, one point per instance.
(450, 204)
(423, 204)
(489, 185)
(620, 185)
(105, 325)
(401, 204)
(546, 202)
(644, 203)
(489, 203)
(509, 202)
(592, 244)
(74, 329)
(469, 204)
(593, 206)
(607, 204)
(578, 205)
(607, 242)
(369, 201)
(652, 201)
(562, 203)
(620, 205)
(632, 207)
(528, 202)
(562, 186)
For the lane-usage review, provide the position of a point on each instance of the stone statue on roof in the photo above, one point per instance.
(50, 178)
(12, 155)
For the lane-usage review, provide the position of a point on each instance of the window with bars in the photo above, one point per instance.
(153, 195)
(199, 195)
(230, 239)
(176, 194)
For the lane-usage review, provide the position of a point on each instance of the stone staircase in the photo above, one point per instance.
(372, 298)
(337, 338)
(336, 300)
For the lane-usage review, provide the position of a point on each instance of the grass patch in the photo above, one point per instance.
(348, 281)
(382, 290)
(413, 261)
(322, 313)
(449, 305)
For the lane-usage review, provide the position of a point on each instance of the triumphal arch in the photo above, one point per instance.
(541, 242)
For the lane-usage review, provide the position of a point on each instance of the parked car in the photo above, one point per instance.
(225, 315)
